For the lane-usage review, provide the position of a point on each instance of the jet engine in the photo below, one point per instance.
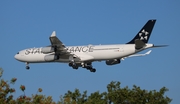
(113, 61)
(47, 49)
(50, 57)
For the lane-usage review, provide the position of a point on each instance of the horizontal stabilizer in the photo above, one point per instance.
(147, 53)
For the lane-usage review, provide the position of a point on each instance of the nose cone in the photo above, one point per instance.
(16, 57)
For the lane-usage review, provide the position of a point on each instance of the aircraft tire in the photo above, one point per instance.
(93, 70)
(88, 67)
(75, 67)
(70, 64)
(27, 67)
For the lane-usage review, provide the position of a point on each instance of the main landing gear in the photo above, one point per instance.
(90, 68)
(73, 65)
(87, 66)
(27, 66)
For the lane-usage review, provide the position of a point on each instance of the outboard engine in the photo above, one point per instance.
(113, 61)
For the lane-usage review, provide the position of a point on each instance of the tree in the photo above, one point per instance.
(114, 95)
(136, 95)
(117, 95)
(6, 94)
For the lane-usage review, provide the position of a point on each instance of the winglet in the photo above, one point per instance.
(53, 34)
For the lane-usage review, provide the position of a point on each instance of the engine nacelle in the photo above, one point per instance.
(113, 62)
(50, 57)
(47, 49)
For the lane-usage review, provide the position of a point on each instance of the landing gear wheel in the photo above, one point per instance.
(88, 68)
(93, 70)
(27, 67)
(75, 67)
(70, 64)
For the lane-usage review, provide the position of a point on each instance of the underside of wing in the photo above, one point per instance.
(57, 44)
(54, 40)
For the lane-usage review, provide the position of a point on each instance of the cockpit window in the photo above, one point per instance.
(18, 53)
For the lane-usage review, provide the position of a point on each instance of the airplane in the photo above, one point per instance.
(83, 56)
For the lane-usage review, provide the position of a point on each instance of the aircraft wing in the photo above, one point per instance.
(137, 55)
(55, 42)
(60, 47)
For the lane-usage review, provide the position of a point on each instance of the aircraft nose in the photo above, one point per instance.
(16, 57)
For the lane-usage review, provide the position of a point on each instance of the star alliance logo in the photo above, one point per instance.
(143, 35)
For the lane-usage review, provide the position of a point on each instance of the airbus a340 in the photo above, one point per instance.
(83, 56)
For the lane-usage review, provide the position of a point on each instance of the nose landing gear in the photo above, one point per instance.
(27, 66)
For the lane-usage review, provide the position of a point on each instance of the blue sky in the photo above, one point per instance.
(27, 24)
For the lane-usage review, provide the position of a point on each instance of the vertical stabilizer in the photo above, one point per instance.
(145, 33)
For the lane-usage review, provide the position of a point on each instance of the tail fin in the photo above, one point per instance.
(144, 33)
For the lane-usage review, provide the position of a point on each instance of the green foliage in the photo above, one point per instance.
(117, 95)
(114, 95)
(6, 94)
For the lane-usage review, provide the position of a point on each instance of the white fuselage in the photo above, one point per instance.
(83, 56)
(84, 53)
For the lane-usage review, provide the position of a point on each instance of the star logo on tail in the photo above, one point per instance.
(143, 35)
